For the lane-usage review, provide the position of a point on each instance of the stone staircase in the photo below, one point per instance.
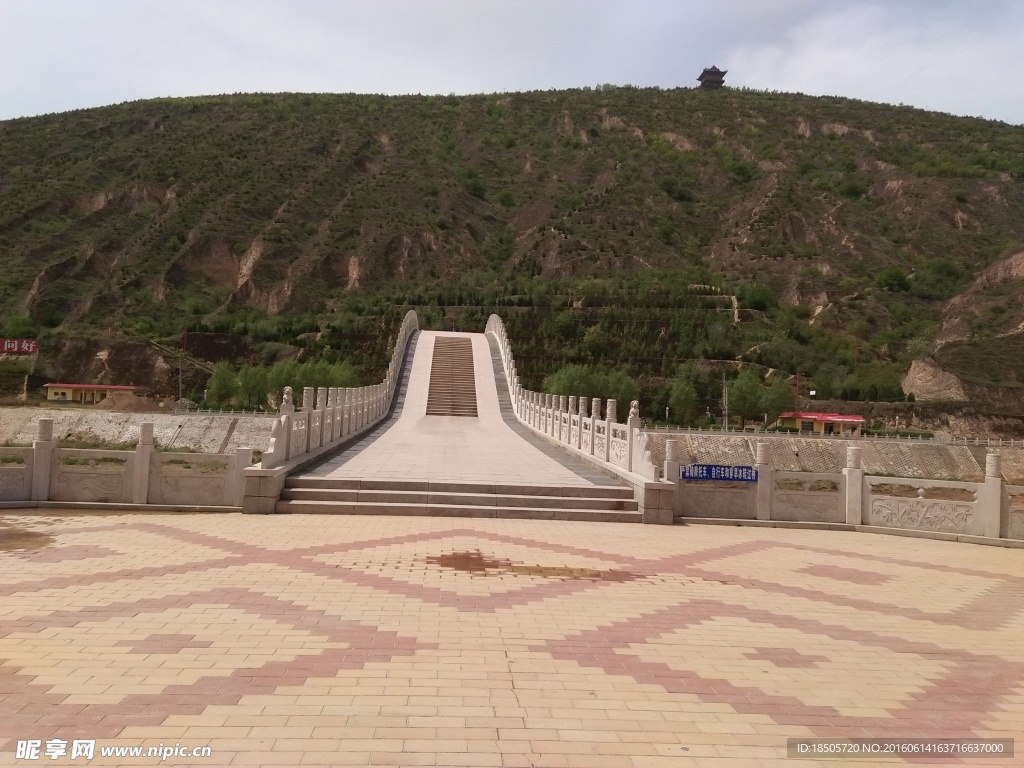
(322, 495)
(452, 379)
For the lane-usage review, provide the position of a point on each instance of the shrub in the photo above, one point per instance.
(893, 280)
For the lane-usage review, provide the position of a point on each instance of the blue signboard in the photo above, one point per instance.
(717, 472)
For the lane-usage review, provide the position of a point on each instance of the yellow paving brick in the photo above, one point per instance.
(289, 661)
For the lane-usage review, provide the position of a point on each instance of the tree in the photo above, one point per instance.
(595, 341)
(776, 399)
(284, 373)
(222, 385)
(756, 296)
(591, 381)
(252, 386)
(745, 396)
(682, 400)
(573, 380)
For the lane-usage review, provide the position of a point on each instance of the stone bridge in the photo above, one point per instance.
(446, 433)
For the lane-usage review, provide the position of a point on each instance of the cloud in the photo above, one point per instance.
(965, 61)
(938, 54)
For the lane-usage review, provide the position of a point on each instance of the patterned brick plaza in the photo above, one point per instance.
(331, 640)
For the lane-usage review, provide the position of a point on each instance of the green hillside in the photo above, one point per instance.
(586, 218)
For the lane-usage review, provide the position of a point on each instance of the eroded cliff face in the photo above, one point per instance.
(927, 381)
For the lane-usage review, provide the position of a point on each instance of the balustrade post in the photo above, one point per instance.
(610, 417)
(307, 399)
(143, 456)
(991, 507)
(43, 448)
(632, 423)
(853, 474)
(670, 468)
(284, 448)
(333, 402)
(578, 405)
(346, 418)
(595, 416)
(764, 482)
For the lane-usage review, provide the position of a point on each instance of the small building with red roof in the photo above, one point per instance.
(816, 422)
(86, 394)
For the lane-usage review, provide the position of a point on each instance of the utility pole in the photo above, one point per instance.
(181, 359)
(725, 405)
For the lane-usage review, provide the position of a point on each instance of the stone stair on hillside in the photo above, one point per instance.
(323, 495)
(452, 389)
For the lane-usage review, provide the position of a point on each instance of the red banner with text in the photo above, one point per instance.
(19, 346)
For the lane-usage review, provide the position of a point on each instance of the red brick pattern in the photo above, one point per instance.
(404, 641)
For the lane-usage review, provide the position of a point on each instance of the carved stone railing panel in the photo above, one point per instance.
(180, 478)
(328, 427)
(807, 506)
(86, 475)
(298, 441)
(15, 474)
(1013, 511)
(618, 452)
(929, 505)
(316, 422)
(923, 514)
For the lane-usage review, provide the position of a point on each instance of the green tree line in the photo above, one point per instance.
(256, 386)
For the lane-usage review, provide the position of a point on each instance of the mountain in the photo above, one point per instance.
(855, 237)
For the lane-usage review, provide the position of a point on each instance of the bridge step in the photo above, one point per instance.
(452, 390)
(320, 495)
(435, 486)
(456, 499)
(455, 510)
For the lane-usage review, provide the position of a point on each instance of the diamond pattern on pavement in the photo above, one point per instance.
(407, 641)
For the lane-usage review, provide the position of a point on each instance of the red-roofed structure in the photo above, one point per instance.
(822, 423)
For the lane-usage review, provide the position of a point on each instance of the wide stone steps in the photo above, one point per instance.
(452, 390)
(448, 499)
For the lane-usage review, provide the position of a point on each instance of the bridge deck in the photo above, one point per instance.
(491, 448)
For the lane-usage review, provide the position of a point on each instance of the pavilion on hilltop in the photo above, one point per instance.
(712, 77)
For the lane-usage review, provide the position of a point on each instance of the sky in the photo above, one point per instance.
(965, 57)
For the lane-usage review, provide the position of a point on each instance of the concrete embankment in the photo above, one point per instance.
(206, 433)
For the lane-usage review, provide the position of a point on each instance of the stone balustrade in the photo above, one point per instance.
(619, 448)
(327, 419)
(980, 512)
(329, 415)
(47, 474)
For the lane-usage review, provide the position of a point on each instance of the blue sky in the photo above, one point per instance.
(966, 58)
